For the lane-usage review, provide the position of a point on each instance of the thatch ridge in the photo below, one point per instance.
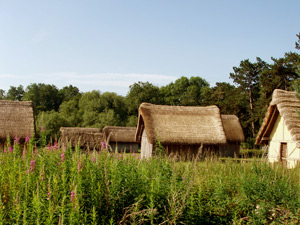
(119, 134)
(181, 124)
(287, 104)
(16, 119)
(233, 129)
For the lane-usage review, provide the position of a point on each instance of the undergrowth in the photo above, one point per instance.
(53, 185)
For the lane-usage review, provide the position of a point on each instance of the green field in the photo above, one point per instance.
(51, 185)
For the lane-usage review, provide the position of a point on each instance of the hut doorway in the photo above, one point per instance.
(283, 153)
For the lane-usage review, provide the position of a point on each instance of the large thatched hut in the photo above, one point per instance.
(16, 120)
(185, 131)
(87, 138)
(280, 130)
(121, 139)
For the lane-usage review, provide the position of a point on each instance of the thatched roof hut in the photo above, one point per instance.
(87, 137)
(233, 129)
(16, 119)
(122, 138)
(280, 129)
(187, 130)
(287, 104)
(180, 124)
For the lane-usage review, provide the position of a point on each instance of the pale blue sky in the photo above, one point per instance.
(108, 45)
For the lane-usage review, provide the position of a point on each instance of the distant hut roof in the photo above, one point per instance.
(16, 119)
(180, 124)
(287, 104)
(232, 127)
(119, 134)
(88, 137)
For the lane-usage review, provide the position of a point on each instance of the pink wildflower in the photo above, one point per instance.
(93, 159)
(72, 196)
(103, 145)
(49, 195)
(42, 129)
(27, 139)
(10, 149)
(17, 140)
(4, 150)
(62, 157)
(32, 165)
(26, 172)
(55, 146)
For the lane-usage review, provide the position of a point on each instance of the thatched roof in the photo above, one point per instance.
(287, 104)
(180, 124)
(119, 134)
(88, 137)
(16, 119)
(232, 127)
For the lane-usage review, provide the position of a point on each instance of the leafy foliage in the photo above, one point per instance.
(45, 97)
(15, 93)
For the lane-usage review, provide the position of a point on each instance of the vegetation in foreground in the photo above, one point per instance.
(53, 185)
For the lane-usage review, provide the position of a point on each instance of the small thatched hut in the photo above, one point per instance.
(234, 135)
(280, 130)
(16, 120)
(121, 139)
(185, 131)
(88, 138)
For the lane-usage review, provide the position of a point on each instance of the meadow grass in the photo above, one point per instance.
(53, 185)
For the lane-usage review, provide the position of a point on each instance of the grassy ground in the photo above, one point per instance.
(51, 185)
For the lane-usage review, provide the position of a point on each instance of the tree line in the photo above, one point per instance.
(248, 98)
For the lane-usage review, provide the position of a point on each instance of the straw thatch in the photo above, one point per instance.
(16, 119)
(86, 137)
(119, 134)
(121, 138)
(233, 129)
(287, 104)
(181, 124)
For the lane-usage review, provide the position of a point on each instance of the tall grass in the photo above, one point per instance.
(52, 185)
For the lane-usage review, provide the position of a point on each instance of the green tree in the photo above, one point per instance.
(279, 75)
(227, 97)
(110, 100)
(2, 94)
(141, 92)
(99, 110)
(45, 97)
(107, 118)
(69, 92)
(70, 111)
(246, 76)
(132, 121)
(51, 121)
(15, 93)
(297, 43)
(185, 91)
(90, 107)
